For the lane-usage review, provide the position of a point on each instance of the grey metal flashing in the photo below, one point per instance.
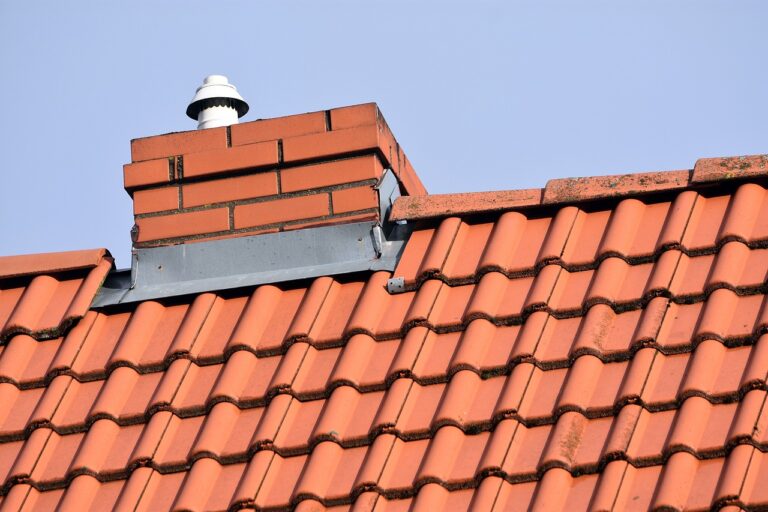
(161, 272)
(170, 271)
(389, 190)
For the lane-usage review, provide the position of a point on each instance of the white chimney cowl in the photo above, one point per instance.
(216, 103)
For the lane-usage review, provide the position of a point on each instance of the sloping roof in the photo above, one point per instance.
(605, 348)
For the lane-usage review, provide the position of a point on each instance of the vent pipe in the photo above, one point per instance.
(216, 103)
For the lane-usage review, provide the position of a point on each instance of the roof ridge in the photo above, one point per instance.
(50, 262)
(575, 190)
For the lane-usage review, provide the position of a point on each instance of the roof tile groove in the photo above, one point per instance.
(261, 382)
(154, 335)
(450, 456)
(115, 340)
(597, 357)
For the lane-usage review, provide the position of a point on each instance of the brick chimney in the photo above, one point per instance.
(264, 176)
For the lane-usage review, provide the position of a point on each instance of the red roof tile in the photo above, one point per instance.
(603, 354)
(41, 295)
(47, 263)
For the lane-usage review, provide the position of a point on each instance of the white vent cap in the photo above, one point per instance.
(216, 103)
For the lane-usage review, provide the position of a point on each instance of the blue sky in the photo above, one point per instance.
(482, 95)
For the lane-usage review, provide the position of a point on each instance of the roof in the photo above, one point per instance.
(601, 347)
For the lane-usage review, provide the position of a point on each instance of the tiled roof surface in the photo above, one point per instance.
(605, 355)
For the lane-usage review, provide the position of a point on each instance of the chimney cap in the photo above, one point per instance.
(216, 91)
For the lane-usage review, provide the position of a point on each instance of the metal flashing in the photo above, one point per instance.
(389, 190)
(175, 270)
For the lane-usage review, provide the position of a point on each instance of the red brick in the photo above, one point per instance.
(328, 144)
(281, 210)
(150, 172)
(278, 128)
(352, 199)
(230, 159)
(183, 224)
(326, 174)
(356, 115)
(230, 189)
(178, 143)
(155, 200)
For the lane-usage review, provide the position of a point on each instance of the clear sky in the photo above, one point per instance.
(482, 95)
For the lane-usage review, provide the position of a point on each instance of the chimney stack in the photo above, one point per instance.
(265, 176)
